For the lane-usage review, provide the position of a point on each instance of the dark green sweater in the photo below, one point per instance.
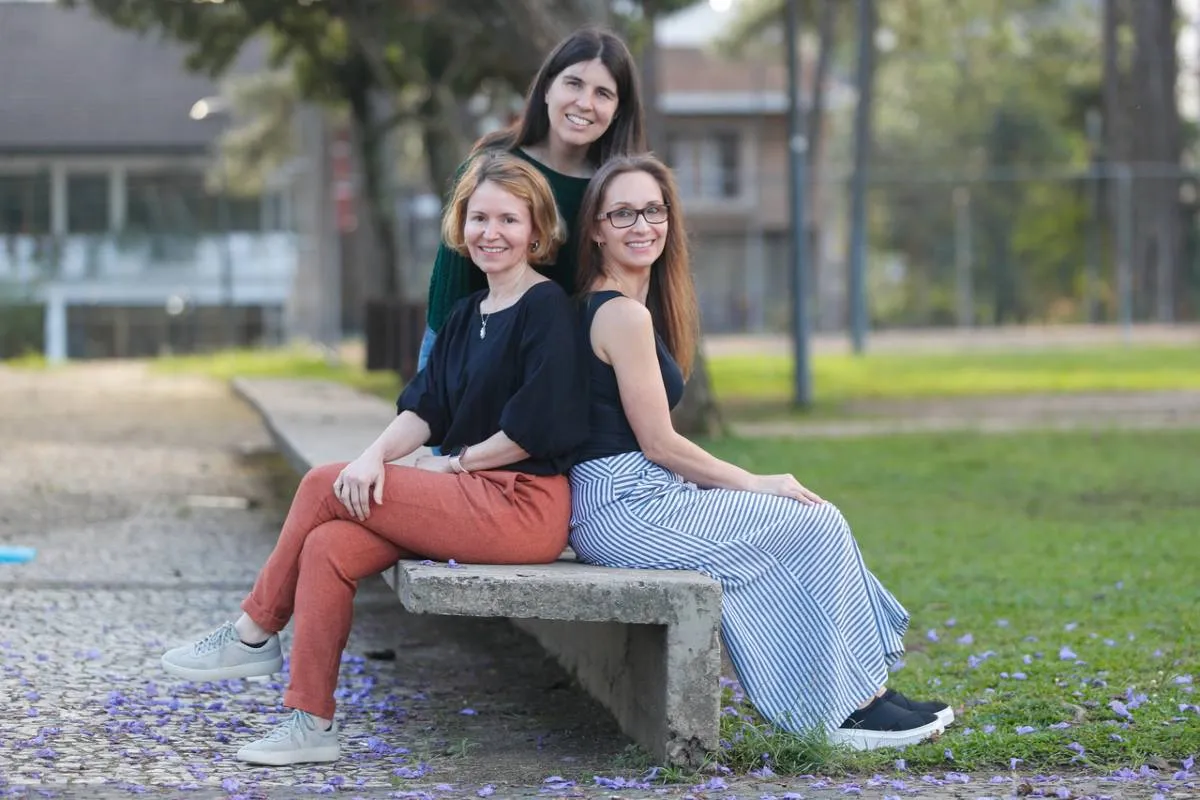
(454, 276)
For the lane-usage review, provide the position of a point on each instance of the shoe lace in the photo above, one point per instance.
(284, 729)
(215, 640)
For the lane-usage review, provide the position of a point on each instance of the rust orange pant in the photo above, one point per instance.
(492, 517)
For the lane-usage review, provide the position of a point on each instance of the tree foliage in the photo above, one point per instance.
(991, 98)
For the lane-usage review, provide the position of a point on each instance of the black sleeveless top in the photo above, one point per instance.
(610, 433)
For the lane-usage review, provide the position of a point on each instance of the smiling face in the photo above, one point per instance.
(638, 246)
(498, 229)
(581, 103)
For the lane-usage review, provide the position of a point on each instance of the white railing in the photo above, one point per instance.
(136, 269)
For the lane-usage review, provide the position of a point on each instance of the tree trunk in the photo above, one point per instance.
(368, 139)
(815, 155)
(1155, 69)
(648, 61)
(697, 413)
(443, 140)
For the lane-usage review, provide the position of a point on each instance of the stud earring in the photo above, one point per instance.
(533, 246)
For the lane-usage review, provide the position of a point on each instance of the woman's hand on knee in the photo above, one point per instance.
(354, 485)
(786, 486)
(432, 463)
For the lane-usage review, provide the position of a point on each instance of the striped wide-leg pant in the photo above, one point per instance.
(810, 631)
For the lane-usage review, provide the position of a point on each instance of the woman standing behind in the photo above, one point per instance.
(809, 629)
(583, 107)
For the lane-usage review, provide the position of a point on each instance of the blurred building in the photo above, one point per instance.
(109, 239)
(726, 126)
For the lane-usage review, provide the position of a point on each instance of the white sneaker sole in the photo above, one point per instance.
(283, 758)
(860, 739)
(255, 669)
(945, 717)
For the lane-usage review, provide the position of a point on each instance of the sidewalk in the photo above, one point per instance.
(1093, 411)
(941, 340)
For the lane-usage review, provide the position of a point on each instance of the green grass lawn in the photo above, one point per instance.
(763, 383)
(837, 378)
(282, 363)
(1049, 576)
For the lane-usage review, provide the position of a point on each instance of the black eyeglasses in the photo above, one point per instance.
(655, 214)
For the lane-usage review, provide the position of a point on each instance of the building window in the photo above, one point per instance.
(24, 204)
(172, 203)
(87, 203)
(707, 166)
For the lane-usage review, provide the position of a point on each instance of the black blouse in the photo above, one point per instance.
(525, 377)
(611, 433)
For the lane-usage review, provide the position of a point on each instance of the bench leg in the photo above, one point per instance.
(660, 682)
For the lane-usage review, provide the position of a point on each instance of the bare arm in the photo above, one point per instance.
(364, 476)
(405, 434)
(495, 451)
(492, 453)
(623, 335)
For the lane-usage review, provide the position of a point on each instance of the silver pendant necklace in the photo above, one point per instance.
(483, 318)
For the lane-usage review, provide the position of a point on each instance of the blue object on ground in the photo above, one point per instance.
(10, 554)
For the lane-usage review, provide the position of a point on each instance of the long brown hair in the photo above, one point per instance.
(672, 294)
(626, 132)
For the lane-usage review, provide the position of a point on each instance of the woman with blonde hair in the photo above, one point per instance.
(809, 629)
(498, 496)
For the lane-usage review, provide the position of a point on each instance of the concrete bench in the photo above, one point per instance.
(643, 642)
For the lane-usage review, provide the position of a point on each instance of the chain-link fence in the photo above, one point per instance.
(1052, 246)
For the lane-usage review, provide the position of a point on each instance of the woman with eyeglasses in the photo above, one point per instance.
(810, 631)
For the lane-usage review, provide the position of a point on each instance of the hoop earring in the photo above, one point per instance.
(533, 246)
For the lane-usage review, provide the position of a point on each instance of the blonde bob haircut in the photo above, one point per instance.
(520, 179)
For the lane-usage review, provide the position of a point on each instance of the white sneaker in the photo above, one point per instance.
(222, 655)
(297, 741)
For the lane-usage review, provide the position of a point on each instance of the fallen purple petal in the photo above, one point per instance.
(486, 791)
(931, 635)
(1119, 709)
(966, 638)
(1024, 729)
(1067, 654)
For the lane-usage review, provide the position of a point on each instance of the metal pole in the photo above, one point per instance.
(962, 257)
(1092, 262)
(858, 183)
(1125, 250)
(227, 306)
(798, 145)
